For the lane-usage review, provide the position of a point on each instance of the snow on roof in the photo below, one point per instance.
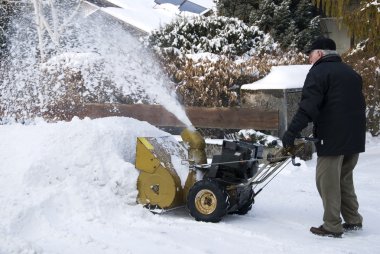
(281, 77)
(205, 3)
(146, 14)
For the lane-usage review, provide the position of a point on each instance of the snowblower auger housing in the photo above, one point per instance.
(158, 183)
(210, 191)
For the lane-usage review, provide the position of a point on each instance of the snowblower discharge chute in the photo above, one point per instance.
(210, 191)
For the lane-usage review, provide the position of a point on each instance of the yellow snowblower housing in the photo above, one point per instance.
(165, 176)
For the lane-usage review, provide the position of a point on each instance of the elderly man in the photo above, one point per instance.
(332, 99)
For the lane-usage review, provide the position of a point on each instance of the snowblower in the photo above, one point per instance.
(172, 176)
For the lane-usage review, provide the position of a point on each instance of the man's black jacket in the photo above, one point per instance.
(332, 99)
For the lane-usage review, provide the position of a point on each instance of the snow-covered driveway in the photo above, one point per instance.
(71, 188)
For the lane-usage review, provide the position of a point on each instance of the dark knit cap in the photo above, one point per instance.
(322, 43)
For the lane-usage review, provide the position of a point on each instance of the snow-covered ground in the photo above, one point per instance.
(70, 187)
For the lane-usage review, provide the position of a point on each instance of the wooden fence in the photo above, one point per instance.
(223, 118)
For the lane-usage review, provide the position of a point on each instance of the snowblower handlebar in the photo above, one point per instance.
(311, 139)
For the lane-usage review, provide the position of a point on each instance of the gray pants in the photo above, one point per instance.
(336, 188)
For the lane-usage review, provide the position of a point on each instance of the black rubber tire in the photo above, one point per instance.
(247, 206)
(207, 201)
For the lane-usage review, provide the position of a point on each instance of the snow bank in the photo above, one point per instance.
(55, 178)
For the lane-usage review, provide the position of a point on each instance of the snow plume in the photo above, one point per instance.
(59, 59)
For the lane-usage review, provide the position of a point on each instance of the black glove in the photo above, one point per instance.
(288, 139)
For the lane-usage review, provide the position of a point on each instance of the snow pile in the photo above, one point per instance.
(57, 177)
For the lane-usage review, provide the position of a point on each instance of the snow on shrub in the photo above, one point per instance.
(213, 80)
(213, 34)
(209, 58)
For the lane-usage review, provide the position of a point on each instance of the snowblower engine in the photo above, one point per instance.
(238, 161)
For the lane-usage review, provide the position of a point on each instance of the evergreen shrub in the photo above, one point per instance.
(213, 34)
(293, 23)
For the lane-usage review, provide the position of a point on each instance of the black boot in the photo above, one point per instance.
(323, 232)
(352, 227)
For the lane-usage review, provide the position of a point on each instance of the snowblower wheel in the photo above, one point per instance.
(247, 206)
(207, 201)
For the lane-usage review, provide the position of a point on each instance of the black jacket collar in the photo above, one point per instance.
(328, 58)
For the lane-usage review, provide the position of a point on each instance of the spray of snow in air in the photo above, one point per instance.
(57, 59)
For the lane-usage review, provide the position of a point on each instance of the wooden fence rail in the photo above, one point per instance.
(223, 118)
